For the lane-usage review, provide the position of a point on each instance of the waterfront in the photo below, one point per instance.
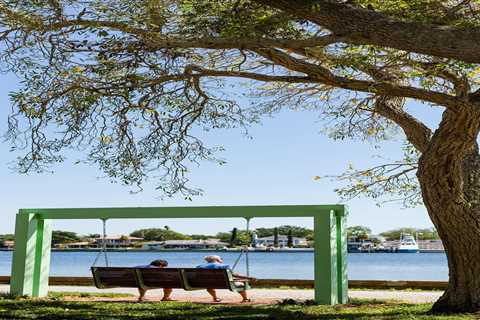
(277, 265)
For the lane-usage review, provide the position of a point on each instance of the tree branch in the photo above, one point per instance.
(156, 40)
(323, 75)
(362, 26)
(417, 133)
(248, 75)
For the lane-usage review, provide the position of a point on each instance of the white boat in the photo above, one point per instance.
(407, 244)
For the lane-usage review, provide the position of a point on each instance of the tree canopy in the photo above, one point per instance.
(158, 234)
(7, 237)
(59, 236)
(423, 234)
(241, 238)
(296, 231)
(358, 232)
(133, 83)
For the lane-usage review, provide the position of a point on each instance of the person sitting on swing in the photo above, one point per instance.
(166, 291)
(216, 262)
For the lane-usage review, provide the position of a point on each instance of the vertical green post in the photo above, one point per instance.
(31, 257)
(325, 264)
(342, 254)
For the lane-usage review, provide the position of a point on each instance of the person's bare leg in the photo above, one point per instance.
(166, 294)
(213, 293)
(244, 296)
(141, 293)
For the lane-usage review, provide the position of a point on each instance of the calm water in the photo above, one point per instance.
(294, 265)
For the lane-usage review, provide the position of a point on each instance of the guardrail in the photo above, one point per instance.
(275, 283)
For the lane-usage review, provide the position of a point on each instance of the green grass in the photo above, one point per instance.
(55, 308)
(66, 294)
(394, 289)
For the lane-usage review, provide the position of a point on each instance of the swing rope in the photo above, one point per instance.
(238, 259)
(104, 245)
(245, 250)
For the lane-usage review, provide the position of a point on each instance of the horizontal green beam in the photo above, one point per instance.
(185, 212)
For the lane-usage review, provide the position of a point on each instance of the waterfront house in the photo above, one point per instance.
(282, 241)
(117, 241)
(75, 245)
(185, 244)
(430, 245)
(374, 242)
(7, 244)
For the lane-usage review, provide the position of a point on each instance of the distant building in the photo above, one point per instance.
(430, 245)
(117, 241)
(7, 244)
(393, 245)
(75, 245)
(185, 244)
(377, 238)
(282, 241)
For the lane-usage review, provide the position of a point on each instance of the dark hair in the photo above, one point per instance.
(159, 263)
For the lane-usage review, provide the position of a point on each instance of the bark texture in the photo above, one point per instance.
(449, 175)
(362, 26)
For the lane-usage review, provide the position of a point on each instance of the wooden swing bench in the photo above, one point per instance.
(159, 278)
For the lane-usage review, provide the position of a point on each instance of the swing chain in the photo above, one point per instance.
(245, 250)
(104, 241)
(104, 244)
(247, 263)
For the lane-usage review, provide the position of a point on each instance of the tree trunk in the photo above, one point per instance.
(449, 175)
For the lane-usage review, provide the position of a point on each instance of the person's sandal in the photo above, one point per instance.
(246, 300)
(217, 300)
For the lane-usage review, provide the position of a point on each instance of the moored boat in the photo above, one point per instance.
(407, 244)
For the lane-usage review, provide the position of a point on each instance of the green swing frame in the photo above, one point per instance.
(31, 256)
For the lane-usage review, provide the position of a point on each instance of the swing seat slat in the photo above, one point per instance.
(206, 278)
(195, 279)
(158, 278)
(114, 277)
(152, 278)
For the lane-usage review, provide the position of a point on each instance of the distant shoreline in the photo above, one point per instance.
(212, 250)
(179, 250)
(171, 250)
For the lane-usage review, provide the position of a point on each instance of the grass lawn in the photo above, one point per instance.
(60, 306)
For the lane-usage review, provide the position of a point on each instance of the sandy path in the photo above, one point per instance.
(263, 296)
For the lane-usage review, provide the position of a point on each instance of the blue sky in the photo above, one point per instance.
(277, 166)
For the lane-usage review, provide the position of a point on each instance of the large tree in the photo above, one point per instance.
(358, 233)
(59, 236)
(157, 234)
(297, 231)
(133, 82)
(420, 234)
